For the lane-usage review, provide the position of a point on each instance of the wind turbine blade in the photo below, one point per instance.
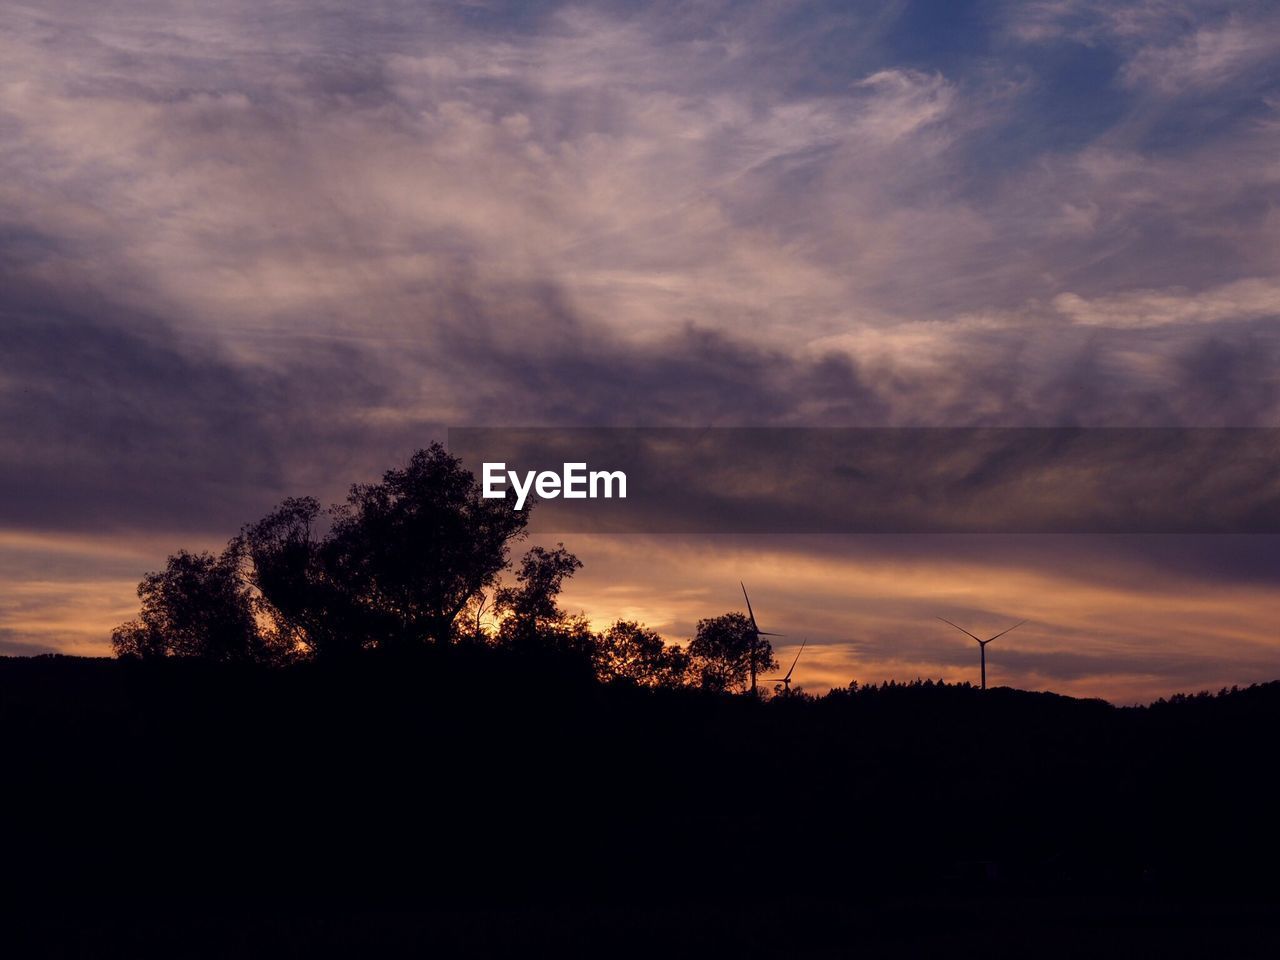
(751, 613)
(766, 633)
(1003, 632)
(797, 659)
(958, 627)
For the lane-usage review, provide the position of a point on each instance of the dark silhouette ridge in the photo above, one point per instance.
(472, 778)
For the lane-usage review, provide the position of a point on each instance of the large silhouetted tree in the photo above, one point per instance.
(630, 651)
(722, 652)
(398, 562)
(411, 551)
(197, 606)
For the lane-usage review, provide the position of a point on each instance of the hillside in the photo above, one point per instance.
(465, 767)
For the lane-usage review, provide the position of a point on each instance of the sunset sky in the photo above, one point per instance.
(252, 250)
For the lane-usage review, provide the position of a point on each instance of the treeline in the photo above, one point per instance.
(419, 559)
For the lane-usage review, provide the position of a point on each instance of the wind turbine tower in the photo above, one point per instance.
(786, 680)
(757, 633)
(982, 644)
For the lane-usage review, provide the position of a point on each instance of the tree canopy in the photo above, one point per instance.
(415, 560)
(197, 606)
(725, 650)
(392, 567)
(630, 651)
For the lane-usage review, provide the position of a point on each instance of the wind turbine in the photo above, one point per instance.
(982, 644)
(755, 639)
(786, 681)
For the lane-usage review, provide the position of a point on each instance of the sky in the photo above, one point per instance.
(251, 250)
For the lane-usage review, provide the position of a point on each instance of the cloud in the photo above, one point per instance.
(1254, 298)
(1168, 48)
(12, 646)
(1134, 22)
(591, 154)
(347, 185)
(121, 426)
(1209, 58)
(254, 250)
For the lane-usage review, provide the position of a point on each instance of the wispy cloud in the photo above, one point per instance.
(1242, 300)
(254, 250)
(1208, 59)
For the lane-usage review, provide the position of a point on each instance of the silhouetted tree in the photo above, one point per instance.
(289, 564)
(198, 606)
(533, 619)
(571, 636)
(628, 650)
(722, 652)
(411, 551)
(400, 560)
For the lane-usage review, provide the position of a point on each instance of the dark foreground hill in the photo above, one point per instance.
(471, 800)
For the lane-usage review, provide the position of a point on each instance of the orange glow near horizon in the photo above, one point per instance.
(1092, 632)
(870, 619)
